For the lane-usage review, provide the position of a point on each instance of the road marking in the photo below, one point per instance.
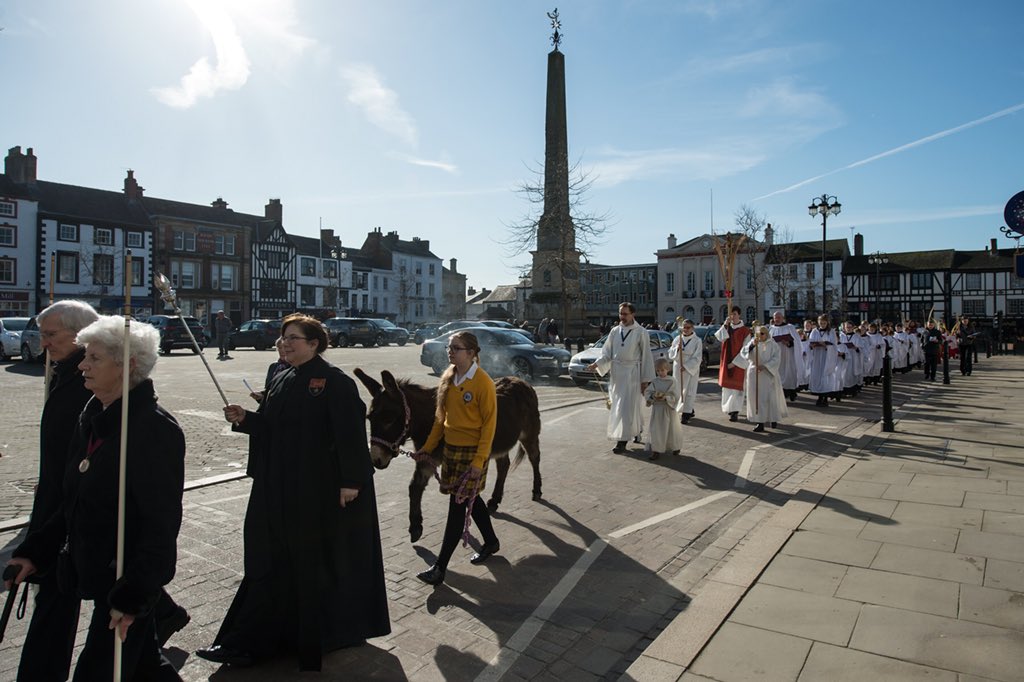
(564, 416)
(522, 637)
(622, 532)
(824, 427)
(741, 475)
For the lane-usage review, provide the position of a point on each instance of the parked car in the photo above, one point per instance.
(260, 334)
(462, 324)
(660, 344)
(503, 352)
(32, 343)
(389, 332)
(174, 335)
(712, 347)
(10, 336)
(345, 331)
(424, 332)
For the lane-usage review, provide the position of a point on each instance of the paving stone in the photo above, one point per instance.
(945, 468)
(859, 507)
(825, 520)
(925, 494)
(765, 656)
(913, 535)
(977, 485)
(838, 664)
(801, 614)
(806, 575)
(1002, 608)
(860, 488)
(946, 643)
(930, 563)
(1003, 522)
(869, 473)
(834, 548)
(1006, 575)
(994, 545)
(995, 502)
(913, 593)
(647, 669)
(938, 515)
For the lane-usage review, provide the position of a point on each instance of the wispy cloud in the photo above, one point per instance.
(614, 167)
(352, 199)
(783, 98)
(378, 102)
(902, 148)
(925, 215)
(203, 80)
(705, 66)
(444, 163)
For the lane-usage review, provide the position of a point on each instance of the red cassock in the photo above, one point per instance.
(732, 377)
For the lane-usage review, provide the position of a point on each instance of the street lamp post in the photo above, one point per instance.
(824, 205)
(878, 259)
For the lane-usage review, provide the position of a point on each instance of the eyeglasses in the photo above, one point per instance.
(455, 349)
(292, 338)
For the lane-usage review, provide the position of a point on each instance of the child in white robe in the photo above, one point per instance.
(662, 395)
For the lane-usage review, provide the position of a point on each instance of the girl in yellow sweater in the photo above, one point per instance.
(465, 417)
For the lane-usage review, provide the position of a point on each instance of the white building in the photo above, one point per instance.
(19, 251)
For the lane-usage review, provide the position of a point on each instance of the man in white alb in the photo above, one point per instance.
(791, 365)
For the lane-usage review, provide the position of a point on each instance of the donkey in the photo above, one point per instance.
(401, 410)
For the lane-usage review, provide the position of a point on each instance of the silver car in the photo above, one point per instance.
(10, 336)
(32, 343)
(660, 344)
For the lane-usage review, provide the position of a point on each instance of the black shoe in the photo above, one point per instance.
(620, 447)
(734, 416)
(653, 456)
(165, 627)
(775, 425)
(226, 655)
(759, 428)
(485, 552)
(432, 576)
(675, 452)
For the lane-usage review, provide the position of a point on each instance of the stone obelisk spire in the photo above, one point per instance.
(556, 262)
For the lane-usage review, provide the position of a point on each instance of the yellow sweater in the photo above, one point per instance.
(471, 416)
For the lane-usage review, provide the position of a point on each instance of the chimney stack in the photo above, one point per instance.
(858, 245)
(769, 235)
(671, 241)
(20, 168)
(131, 187)
(274, 211)
(994, 250)
(454, 262)
(219, 203)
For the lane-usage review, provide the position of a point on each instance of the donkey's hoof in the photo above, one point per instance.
(492, 505)
(537, 496)
(415, 533)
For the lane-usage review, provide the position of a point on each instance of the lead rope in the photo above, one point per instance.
(470, 498)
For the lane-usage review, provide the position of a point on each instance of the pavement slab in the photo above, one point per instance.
(797, 613)
(739, 654)
(930, 563)
(1002, 608)
(838, 664)
(834, 548)
(913, 593)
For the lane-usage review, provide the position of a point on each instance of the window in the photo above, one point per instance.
(330, 297)
(974, 307)
(750, 279)
(68, 233)
(750, 314)
(224, 244)
(430, 289)
(8, 209)
(709, 280)
(103, 235)
(384, 281)
(776, 299)
(724, 311)
(274, 259)
(138, 266)
(794, 300)
(134, 240)
(691, 281)
(920, 280)
(828, 270)
(8, 235)
(223, 276)
(102, 268)
(184, 241)
(419, 289)
(307, 267)
(374, 308)
(67, 267)
(430, 269)
(972, 280)
(185, 274)
(811, 307)
(888, 283)
(8, 271)
(385, 308)
(547, 278)
(689, 313)
(706, 313)
(376, 281)
(810, 270)
(777, 272)
(307, 295)
(1015, 306)
(670, 282)
(330, 268)
(419, 268)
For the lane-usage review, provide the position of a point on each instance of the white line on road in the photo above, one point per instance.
(741, 475)
(564, 416)
(822, 427)
(622, 532)
(522, 637)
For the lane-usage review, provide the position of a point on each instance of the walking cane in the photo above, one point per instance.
(169, 296)
(122, 467)
(757, 376)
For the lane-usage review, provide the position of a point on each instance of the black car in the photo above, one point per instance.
(424, 332)
(260, 334)
(503, 352)
(345, 331)
(389, 332)
(174, 335)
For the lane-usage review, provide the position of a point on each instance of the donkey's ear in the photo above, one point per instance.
(371, 384)
(390, 385)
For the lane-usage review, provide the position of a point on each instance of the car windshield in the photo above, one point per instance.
(385, 323)
(507, 337)
(15, 324)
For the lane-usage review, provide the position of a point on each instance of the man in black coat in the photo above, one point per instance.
(932, 345)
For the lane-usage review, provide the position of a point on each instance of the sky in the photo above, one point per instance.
(424, 118)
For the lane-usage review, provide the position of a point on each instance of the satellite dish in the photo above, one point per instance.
(1013, 214)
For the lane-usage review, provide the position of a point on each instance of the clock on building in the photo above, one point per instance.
(705, 243)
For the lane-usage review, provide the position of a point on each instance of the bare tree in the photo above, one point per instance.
(767, 257)
(586, 230)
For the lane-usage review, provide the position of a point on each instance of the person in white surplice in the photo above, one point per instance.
(662, 395)
(791, 366)
(686, 354)
(823, 343)
(766, 403)
(626, 355)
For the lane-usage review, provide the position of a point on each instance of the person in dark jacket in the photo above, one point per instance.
(314, 571)
(80, 540)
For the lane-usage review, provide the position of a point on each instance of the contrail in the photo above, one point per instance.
(902, 148)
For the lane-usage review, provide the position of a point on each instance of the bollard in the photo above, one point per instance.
(945, 362)
(568, 343)
(887, 424)
(580, 345)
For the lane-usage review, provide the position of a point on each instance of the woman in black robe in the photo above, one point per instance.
(314, 571)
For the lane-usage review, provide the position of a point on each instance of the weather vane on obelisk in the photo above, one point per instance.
(556, 37)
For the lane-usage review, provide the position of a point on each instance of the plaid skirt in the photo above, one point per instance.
(455, 464)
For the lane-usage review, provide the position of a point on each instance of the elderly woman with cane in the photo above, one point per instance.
(80, 540)
(314, 570)
(466, 417)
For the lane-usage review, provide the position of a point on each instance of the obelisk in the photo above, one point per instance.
(556, 261)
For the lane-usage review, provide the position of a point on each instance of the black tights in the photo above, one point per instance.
(453, 527)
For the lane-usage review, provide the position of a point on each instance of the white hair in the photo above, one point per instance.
(72, 315)
(108, 332)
